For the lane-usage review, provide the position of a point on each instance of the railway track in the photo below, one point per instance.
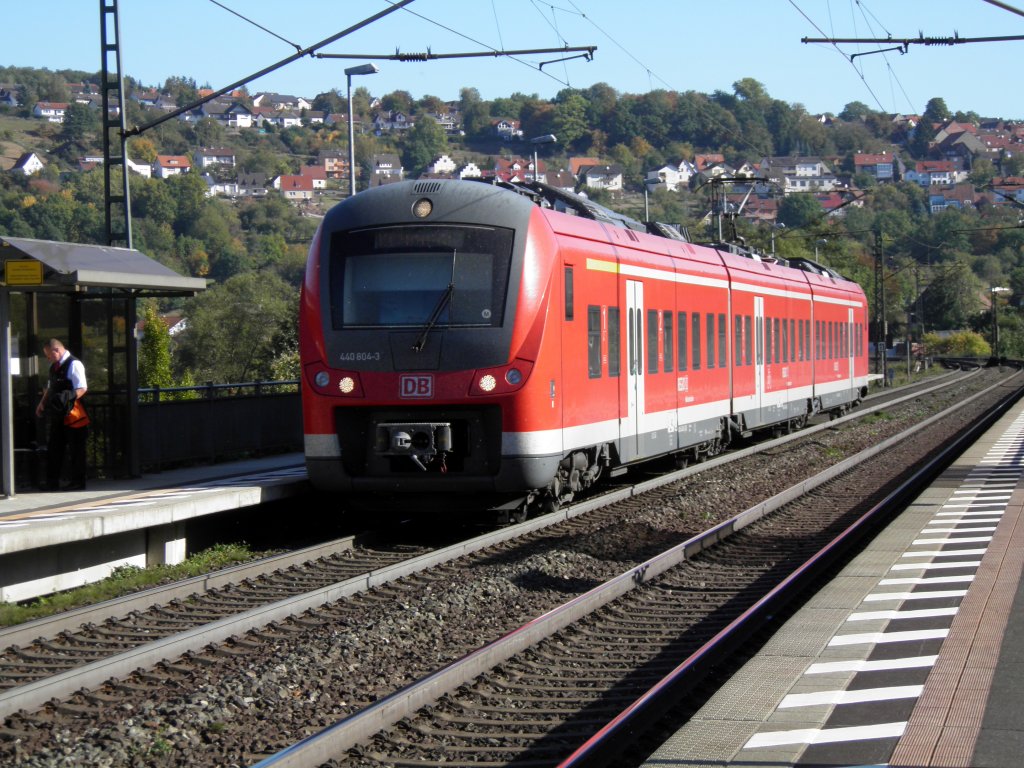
(538, 694)
(19, 728)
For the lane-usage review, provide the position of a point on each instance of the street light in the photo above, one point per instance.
(547, 139)
(823, 241)
(995, 291)
(362, 69)
(779, 225)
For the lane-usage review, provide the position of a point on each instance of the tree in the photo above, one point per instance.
(924, 135)
(959, 344)
(332, 102)
(799, 210)
(570, 119)
(155, 351)
(855, 110)
(936, 111)
(79, 122)
(397, 101)
(209, 132)
(982, 172)
(238, 328)
(424, 142)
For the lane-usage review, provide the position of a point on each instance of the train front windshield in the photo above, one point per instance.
(406, 276)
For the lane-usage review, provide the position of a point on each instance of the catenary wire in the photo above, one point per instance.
(259, 26)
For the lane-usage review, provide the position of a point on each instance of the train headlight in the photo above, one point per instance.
(513, 376)
(322, 379)
(422, 208)
(346, 385)
(487, 383)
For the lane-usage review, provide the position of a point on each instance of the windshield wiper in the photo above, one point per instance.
(442, 302)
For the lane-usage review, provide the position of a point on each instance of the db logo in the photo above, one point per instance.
(416, 386)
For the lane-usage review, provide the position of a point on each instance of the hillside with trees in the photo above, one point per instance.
(940, 264)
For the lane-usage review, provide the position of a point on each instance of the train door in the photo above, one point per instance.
(758, 355)
(632, 426)
(849, 348)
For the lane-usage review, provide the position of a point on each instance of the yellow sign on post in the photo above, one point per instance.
(23, 272)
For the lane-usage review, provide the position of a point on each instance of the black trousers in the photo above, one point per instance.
(62, 440)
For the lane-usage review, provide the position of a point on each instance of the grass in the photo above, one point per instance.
(126, 580)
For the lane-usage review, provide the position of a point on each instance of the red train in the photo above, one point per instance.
(460, 337)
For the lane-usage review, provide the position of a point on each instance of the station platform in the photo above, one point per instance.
(912, 656)
(51, 541)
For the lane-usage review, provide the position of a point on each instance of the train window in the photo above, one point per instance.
(695, 327)
(807, 339)
(594, 341)
(785, 342)
(711, 339)
(819, 340)
(831, 340)
(638, 345)
(748, 338)
(681, 341)
(614, 350)
(767, 341)
(652, 340)
(405, 276)
(737, 342)
(630, 357)
(760, 339)
(568, 293)
(667, 344)
(776, 341)
(723, 351)
(792, 340)
(860, 340)
(800, 341)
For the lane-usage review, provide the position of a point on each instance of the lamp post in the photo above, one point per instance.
(816, 244)
(546, 139)
(995, 291)
(362, 69)
(779, 225)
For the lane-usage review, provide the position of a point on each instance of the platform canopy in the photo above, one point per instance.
(28, 266)
(47, 265)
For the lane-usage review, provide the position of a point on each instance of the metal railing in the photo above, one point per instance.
(218, 422)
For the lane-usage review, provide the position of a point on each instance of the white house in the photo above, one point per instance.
(207, 156)
(799, 174)
(53, 111)
(442, 165)
(470, 171)
(280, 101)
(170, 165)
(671, 177)
(28, 164)
(602, 177)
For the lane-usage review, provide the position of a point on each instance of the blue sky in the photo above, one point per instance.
(641, 45)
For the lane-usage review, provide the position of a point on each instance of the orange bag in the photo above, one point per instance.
(76, 417)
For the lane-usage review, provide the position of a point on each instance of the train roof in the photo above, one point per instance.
(568, 202)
